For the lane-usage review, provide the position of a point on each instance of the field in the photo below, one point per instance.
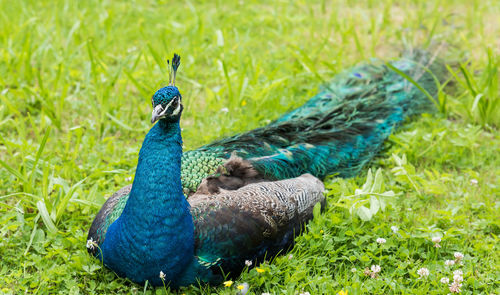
(76, 78)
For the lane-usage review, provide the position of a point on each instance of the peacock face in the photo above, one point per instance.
(167, 103)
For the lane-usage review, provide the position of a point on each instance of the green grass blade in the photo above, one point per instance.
(47, 220)
(468, 80)
(64, 202)
(38, 154)
(14, 172)
(32, 236)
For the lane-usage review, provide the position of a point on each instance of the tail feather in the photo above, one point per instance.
(340, 129)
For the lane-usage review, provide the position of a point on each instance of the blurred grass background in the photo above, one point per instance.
(75, 85)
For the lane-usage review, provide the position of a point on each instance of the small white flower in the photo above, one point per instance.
(162, 275)
(376, 268)
(458, 272)
(91, 244)
(423, 272)
(449, 262)
(458, 255)
(128, 179)
(290, 257)
(381, 241)
(436, 241)
(248, 263)
(394, 229)
(458, 278)
(455, 287)
(473, 181)
(224, 110)
(266, 293)
(445, 280)
(305, 293)
(353, 269)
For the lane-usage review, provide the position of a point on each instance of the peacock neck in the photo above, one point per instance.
(157, 180)
(155, 231)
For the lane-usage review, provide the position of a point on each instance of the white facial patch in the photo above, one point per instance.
(177, 110)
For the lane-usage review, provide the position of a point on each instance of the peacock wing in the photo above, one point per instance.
(252, 222)
(110, 211)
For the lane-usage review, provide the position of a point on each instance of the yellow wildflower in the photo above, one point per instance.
(342, 292)
(241, 287)
(228, 283)
(260, 270)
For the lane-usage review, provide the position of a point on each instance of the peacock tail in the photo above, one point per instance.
(336, 132)
(251, 193)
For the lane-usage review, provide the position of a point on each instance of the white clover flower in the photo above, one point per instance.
(449, 262)
(423, 272)
(473, 181)
(458, 272)
(376, 268)
(248, 263)
(353, 269)
(455, 287)
(91, 244)
(458, 278)
(381, 241)
(162, 275)
(224, 110)
(394, 229)
(458, 255)
(445, 281)
(436, 240)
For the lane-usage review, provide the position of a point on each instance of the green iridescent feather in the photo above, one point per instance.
(196, 166)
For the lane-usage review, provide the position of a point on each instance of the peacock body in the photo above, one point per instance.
(200, 214)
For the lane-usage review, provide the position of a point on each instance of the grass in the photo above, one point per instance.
(75, 84)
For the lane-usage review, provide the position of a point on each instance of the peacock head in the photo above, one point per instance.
(167, 101)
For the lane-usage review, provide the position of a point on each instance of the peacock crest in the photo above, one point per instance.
(168, 100)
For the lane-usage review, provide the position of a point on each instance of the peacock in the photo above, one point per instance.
(197, 216)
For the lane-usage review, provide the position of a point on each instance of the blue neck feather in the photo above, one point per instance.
(155, 231)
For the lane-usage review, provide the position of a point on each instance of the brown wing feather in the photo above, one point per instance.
(247, 223)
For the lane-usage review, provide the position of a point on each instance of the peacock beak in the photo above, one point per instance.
(158, 113)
